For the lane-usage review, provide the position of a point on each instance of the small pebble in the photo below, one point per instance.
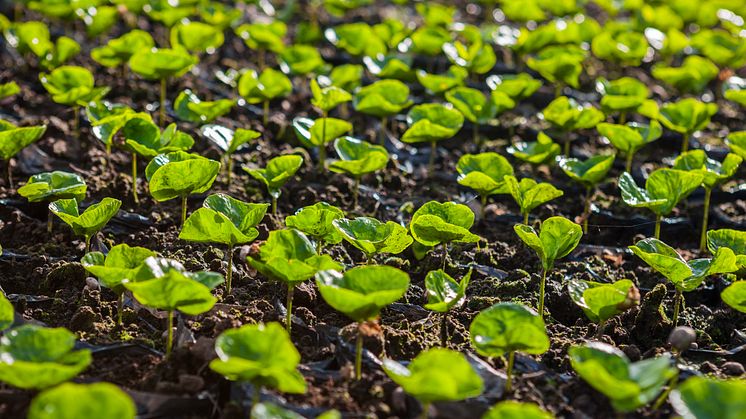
(732, 368)
(682, 337)
(92, 284)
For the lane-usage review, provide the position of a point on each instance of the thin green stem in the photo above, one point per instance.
(425, 410)
(541, 292)
(431, 165)
(355, 193)
(162, 109)
(50, 222)
(525, 218)
(600, 329)
(658, 219)
(622, 118)
(383, 130)
(289, 308)
(8, 174)
(87, 244)
(265, 113)
(628, 164)
(120, 308)
(359, 354)
(76, 121)
(664, 396)
(587, 209)
(274, 205)
(170, 339)
(107, 162)
(322, 147)
(483, 198)
(229, 166)
(685, 143)
(183, 209)
(705, 220)
(509, 372)
(229, 274)
(134, 178)
(257, 396)
(567, 145)
(475, 136)
(677, 307)
(444, 246)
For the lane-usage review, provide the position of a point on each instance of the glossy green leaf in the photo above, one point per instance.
(508, 327)
(93, 219)
(664, 189)
(714, 172)
(429, 40)
(541, 151)
(735, 296)
(691, 77)
(241, 137)
(440, 83)
(82, 401)
(529, 194)
(735, 140)
(398, 67)
(358, 157)
(7, 312)
(224, 220)
(601, 301)
(178, 174)
(382, 98)
(624, 94)
(53, 185)
(443, 292)
(722, 47)
(143, 137)
(270, 84)
(474, 105)
(272, 411)
(624, 47)
(435, 223)
(173, 291)
(559, 64)
(516, 86)
(263, 36)
(568, 115)
(589, 172)
(510, 409)
(557, 238)
(189, 107)
(277, 172)
(121, 263)
(709, 398)
(328, 98)
(357, 39)
(631, 137)
(484, 172)
(687, 115)
(372, 236)
(159, 64)
(71, 85)
(316, 221)
(302, 60)
(9, 89)
(319, 132)
(432, 122)
(196, 37)
(119, 50)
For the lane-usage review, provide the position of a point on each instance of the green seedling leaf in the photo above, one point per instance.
(328, 98)
(72, 85)
(261, 354)
(224, 220)
(319, 132)
(358, 157)
(118, 51)
(429, 40)
(190, 108)
(278, 171)
(687, 115)
(108, 118)
(735, 295)
(173, 291)
(436, 375)
(91, 221)
(316, 221)
(473, 54)
(691, 77)
(241, 137)
(475, 106)
(589, 172)
(143, 137)
(302, 60)
(484, 172)
(122, 263)
(271, 84)
(441, 223)
(220, 15)
(714, 172)
(664, 189)
(625, 94)
(559, 64)
(529, 194)
(736, 141)
(398, 67)
(29, 37)
(623, 47)
(720, 46)
(435, 14)
(631, 137)
(601, 301)
(709, 398)
(541, 151)
(567, 115)
(508, 327)
(443, 292)
(557, 238)
(179, 174)
(161, 63)
(357, 39)
(82, 401)
(290, 257)
(196, 37)
(347, 77)
(438, 84)
(628, 385)
(510, 409)
(7, 312)
(432, 122)
(515, 86)
(263, 36)
(382, 98)
(35, 357)
(734, 240)
(734, 95)
(272, 411)
(372, 236)
(9, 89)
(55, 185)
(361, 292)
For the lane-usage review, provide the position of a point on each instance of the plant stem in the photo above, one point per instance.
(600, 329)
(262, 59)
(265, 113)
(183, 209)
(567, 145)
(425, 410)
(87, 244)
(359, 354)
(484, 204)
(229, 274)
(134, 178)
(170, 339)
(107, 162)
(587, 209)
(289, 308)
(120, 308)
(355, 193)
(705, 219)
(229, 166)
(664, 396)
(274, 205)
(658, 226)
(162, 109)
(628, 164)
(622, 118)
(685, 143)
(509, 372)
(50, 222)
(677, 307)
(541, 292)
(431, 165)
(445, 254)
(525, 218)
(444, 329)
(76, 122)
(8, 174)
(383, 130)
(475, 136)
(257, 396)
(322, 147)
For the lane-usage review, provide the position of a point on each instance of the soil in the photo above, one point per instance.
(41, 275)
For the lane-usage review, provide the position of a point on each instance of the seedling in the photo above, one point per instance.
(277, 172)
(33, 37)
(529, 194)
(567, 116)
(373, 237)
(397, 67)
(734, 240)
(288, 256)
(170, 287)
(9, 89)
(120, 264)
(686, 117)
(316, 221)
(91, 221)
(444, 294)
(436, 375)
(13, 139)
(7, 312)
(714, 172)
(50, 186)
(196, 37)
(107, 119)
(513, 409)
(357, 159)
(561, 65)
(437, 223)
(430, 123)
(224, 220)
(630, 138)
(438, 84)
(506, 328)
(474, 55)
(188, 107)
(72, 86)
(601, 301)
(262, 88)
(261, 354)
(357, 39)
(347, 77)
(588, 173)
(118, 51)
(685, 276)
(318, 133)
(35, 357)
(477, 108)
(692, 77)
(557, 238)
(664, 189)
(69, 400)
(706, 397)
(737, 143)
(429, 40)
(179, 174)
(382, 99)
(485, 173)
(541, 151)
(735, 294)
(302, 60)
(720, 46)
(360, 294)
(516, 86)
(623, 47)
(162, 64)
(263, 37)
(628, 385)
(623, 95)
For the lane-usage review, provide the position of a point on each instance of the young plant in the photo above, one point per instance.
(188, 107)
(623, 95)
(263, 37)
(705, 397)
(734, 240)
(118, 51)
(601, 301)
(714, 174)
(229, 142)
(510, 409)
(623, 47)
(33, 38)
(302, 60)
(357, 39)
(484, 173)
(162, 64)
(317, 222)
(438, 84)
(436, 375)
(121, 263)
(288, 256)
(430, 123)
(224, 220)
(382, 99)
(557, 238)
(474, 54)
(685, 276)
(588, 173)
(196, 37)
(436, 223)
(736, 141)
(397, 67)
(541, 151)
(51, 186)
(373, 237)
(560, 64)
(317, 134)
(506, 328)
(516, 86)
(686, 117)
(358, 158)
(664, 189)
(35, 357)
(9, 89)
(326, 99)
(179, 174)
(529, 194)
(91, 221)
(478, 108)
(72, 86)
(694, 74)
(276, 174)
(360, 294)
(734, 295)
(630, 138)
(166, 285)
(568, 116)
(70, 400)
(263, 88)
(444, 294)
(628, 385)
(261, 354)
